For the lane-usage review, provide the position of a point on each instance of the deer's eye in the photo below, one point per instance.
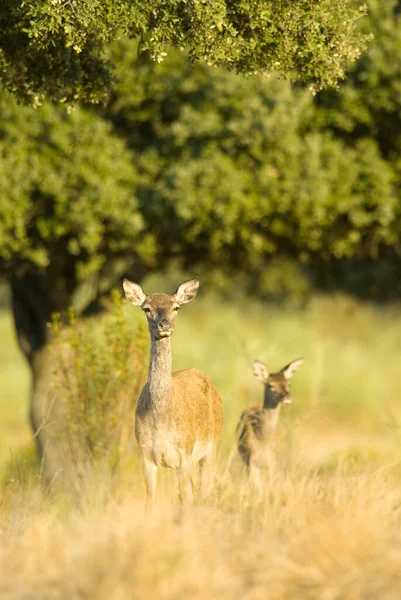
(176, 308)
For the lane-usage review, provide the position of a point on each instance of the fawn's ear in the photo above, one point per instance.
(187, 291)
(260, 370)
(134, 293)
(289, 370)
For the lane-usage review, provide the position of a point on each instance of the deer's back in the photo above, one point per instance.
(256, 434)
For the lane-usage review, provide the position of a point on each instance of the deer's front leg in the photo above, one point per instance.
(206, 472)
(150, 475)
(255, 480)
(184, 482)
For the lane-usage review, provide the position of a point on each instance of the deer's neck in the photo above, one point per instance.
(160, 378)
(272, 407)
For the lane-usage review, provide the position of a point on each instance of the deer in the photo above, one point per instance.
(179, 414)
(257, 425)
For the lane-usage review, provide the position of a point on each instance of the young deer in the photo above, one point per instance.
(179, 414)
(257, 425)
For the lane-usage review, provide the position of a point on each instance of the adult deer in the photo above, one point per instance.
(257, 426)
(179, 414)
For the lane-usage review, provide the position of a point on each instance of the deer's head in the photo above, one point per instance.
(161, 309)
(277, 385)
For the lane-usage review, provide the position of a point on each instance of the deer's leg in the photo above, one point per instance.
(184, 482)
(255, 478)
(272, 470)
(150, 475)
(206, 472)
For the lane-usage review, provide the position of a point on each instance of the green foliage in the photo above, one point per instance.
(240, 171)
(368, 103)
(367, 110)
(67, 201)
(62, 175)
(100, 371)
(201, 169)
(55, 49)
(282, 281)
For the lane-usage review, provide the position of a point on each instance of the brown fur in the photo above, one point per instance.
(180, 414)
(256, 434)
(195, 413)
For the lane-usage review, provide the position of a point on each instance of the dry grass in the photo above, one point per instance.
(330, 535)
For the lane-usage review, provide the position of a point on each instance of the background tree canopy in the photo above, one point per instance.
(56, 49)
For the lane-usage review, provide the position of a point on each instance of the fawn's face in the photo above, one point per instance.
(277, 385)
(161, 309)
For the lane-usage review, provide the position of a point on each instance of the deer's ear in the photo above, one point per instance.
(260, 370)
(187, 291)
(134, 293)
(289, 370)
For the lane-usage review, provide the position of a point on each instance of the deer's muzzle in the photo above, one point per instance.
(165, 328)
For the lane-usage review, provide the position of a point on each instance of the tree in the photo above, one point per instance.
(55, 48)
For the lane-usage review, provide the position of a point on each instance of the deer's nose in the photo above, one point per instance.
(165, 325)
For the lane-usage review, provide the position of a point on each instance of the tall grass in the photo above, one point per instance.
(334, 536)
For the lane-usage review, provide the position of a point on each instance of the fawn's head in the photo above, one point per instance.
(277, 385)
(161, 309)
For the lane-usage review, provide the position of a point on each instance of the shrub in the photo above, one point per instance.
(100, 369)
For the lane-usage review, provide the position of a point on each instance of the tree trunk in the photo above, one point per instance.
(32, 312)
(48, 420)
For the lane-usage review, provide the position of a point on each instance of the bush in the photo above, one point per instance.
(100, 371)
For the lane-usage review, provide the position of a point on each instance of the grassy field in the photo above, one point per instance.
(328, 527)
(14, 393)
